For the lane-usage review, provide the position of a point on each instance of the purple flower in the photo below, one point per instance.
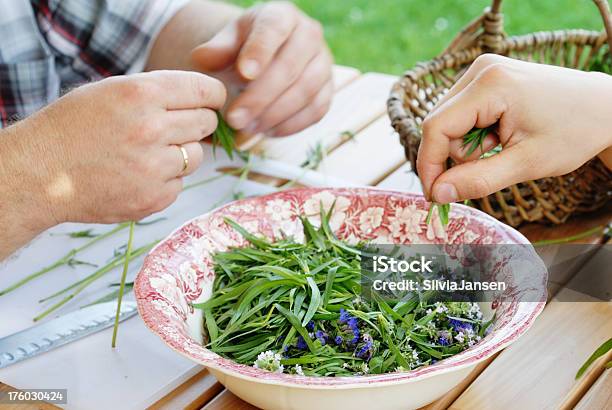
(322, 336)
(459, 325)
(444, 338)
(353, 323)
(344, 316)
(355, 335)
(301, 343)
(310, 326)
(366, 350)
(338, 340)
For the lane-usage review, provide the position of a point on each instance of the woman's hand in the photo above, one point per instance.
(108, 151)
(551, 121)
(280, 56)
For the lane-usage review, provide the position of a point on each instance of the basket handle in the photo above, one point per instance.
(492, 32)
(604, 9)
(493, 28)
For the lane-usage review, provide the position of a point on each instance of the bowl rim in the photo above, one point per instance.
(233, 369)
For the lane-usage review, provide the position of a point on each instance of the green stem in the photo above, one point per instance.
(122, 285)
(82, 284)
(572, 238)
(106, 268)
(63, 260)
(211, 179)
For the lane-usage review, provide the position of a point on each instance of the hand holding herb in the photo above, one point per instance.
(551, 121)
(103, 143)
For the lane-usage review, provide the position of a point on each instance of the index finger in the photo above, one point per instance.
(471, 107)
(189, 89)
(271, 27)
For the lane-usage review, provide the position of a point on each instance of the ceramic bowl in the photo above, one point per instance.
(179, 272)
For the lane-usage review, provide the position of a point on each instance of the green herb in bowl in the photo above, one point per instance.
(296, 308)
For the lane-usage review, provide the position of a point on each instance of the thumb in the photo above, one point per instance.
(479, 178)
(220, 52)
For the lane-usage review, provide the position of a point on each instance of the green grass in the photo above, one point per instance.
(391, 35)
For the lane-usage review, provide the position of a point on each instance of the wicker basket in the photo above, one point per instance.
(550, 200)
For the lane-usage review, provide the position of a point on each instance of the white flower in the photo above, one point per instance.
(440, 307)
(325, 199)
(364, 369)
(298, 370)
(474, 312)
(278, 209)
(371, 219)
(460, 337)
(269, 361)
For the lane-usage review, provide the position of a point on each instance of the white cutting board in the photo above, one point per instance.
(141, 369)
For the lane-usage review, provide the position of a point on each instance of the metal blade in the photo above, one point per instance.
(60, 331)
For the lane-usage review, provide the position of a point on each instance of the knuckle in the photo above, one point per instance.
(479, 187)
(165, 199)
(135, 90)
(199, 87)
(210, 122)
(292, 71)
(429, 125)
(308, 89)
(494, 73)
(485, 60)
(320, 110)
(315, 30)
(284, 6)
(141, 203)
(147, 131)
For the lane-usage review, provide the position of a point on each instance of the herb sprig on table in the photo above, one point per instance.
(296, 308)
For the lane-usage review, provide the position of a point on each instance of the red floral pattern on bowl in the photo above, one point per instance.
(179, 271)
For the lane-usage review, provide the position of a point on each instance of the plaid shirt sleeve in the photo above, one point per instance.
(50, 45)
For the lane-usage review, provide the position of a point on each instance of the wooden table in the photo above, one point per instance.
(535, 372)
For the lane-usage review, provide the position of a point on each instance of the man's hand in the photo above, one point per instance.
(551, 120)
(280, 54)
(106, 152)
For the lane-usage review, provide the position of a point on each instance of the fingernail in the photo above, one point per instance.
(238, 118)
(252, 127)
(250, 69)
(445, 193)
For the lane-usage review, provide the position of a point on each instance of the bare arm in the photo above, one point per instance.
(23, 211)
(194, 24)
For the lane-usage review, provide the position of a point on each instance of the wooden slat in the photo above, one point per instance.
(582, 264)
(353, 108)
(227, 400)
(402, 179)
(599, 397)
(538, 370)
(446, 400)
(341, 76)
(368, 156)
(191, 395)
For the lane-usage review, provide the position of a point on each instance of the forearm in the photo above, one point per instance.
(193, 25)
(23, 214)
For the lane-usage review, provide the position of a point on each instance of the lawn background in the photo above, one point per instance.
(391, 35)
